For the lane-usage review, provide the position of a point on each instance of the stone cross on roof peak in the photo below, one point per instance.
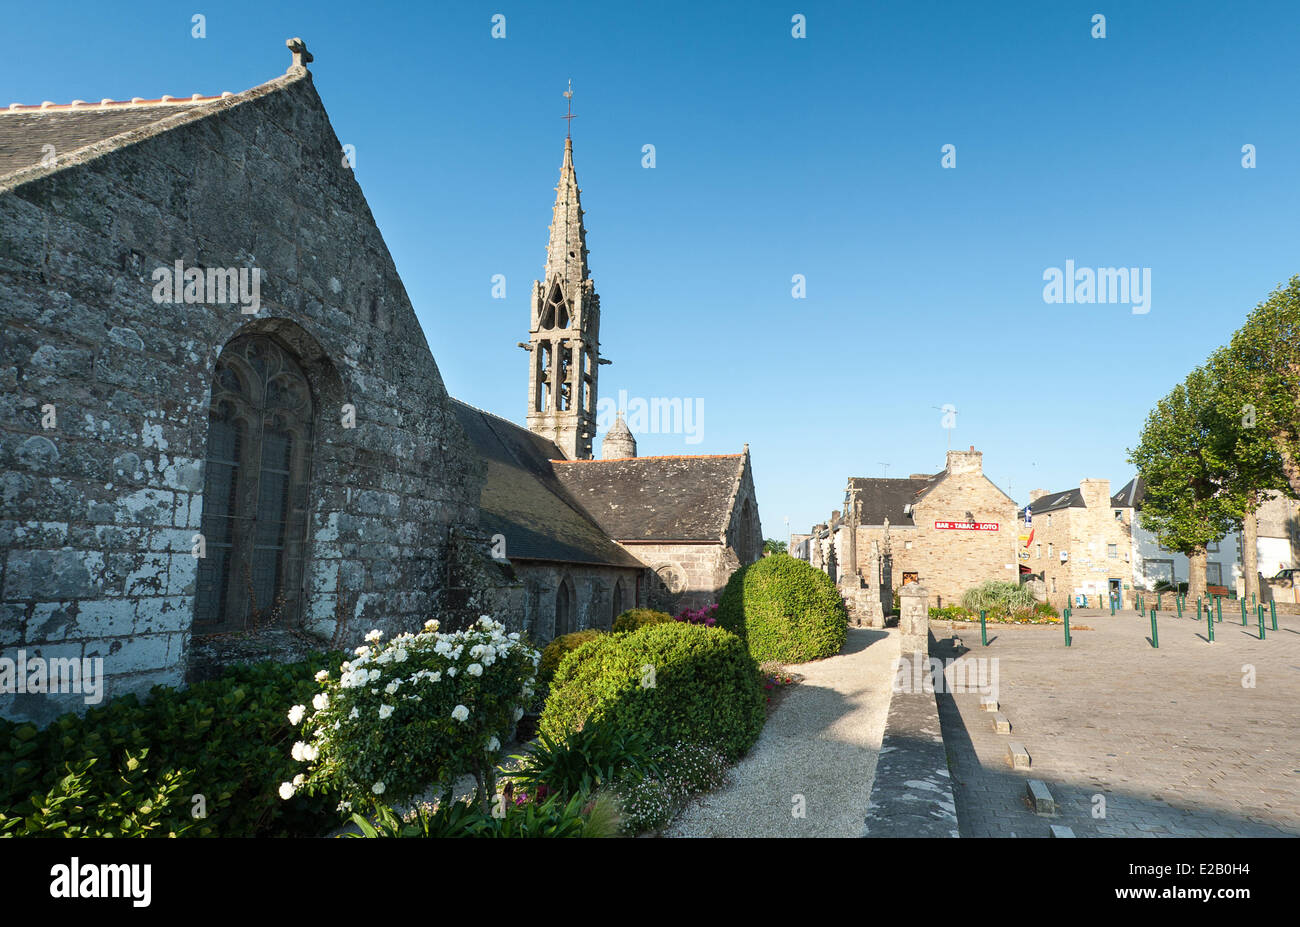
(301, 57)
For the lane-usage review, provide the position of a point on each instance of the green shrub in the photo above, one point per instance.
(636, 618)
(998, 598)
(555, 652)
(671, 682)
(951, 613)
(133, 767)
(578, 816)
(785, 609)
(584, 761)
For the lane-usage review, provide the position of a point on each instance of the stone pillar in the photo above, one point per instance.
(914, 618)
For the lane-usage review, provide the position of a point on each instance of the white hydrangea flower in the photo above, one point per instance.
(286, 790)
(377, 788)
(296, 713)
(385, 711)
(392, 686)
(399, 655)
(309, 753)
(322, 675)
(362, 651)
(460, 713)
(355, 713)
(431, 624)
(474, 669)
(320, 701)
(299, 780)
(451, 671)
(384, 657)
(374, 636)
(298, 752)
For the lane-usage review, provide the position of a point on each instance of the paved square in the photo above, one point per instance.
(1170, 738)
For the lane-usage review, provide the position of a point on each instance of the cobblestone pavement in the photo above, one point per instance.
(1171, 739)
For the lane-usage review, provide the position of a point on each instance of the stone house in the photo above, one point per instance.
(224, 435)
(950, 531)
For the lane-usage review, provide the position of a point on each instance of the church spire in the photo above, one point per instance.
(564, 334)
(566, 252)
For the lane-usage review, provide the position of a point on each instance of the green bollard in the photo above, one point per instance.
(1180, 607)
(1209, 623)
(1155, 640)
(1112, 606)
(984, 631)
(1159, 596)
(1272, 607)
(1260, 610)
(1243, 611)
(1067, 627)
(1218, 604)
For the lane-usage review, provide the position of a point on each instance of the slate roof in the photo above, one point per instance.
(884, 498)
(523, 500)
(71, 127)
(1069, 499)
(1130, 496)
(656, 498)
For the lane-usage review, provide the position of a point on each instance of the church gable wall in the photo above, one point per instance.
(104, 429)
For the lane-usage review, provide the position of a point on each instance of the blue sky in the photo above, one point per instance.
(778, 156)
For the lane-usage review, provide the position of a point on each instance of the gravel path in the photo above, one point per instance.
(820, 743)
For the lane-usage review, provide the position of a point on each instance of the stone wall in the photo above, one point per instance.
(100, 510)
(685, 575)
(593, 591)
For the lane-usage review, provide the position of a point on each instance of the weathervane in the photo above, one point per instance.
(569, 117)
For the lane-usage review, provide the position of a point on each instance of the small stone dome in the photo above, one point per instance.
(618, 441)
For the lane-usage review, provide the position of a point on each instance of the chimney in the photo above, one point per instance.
(1096, 493)
(1036, 494)
(966, 462)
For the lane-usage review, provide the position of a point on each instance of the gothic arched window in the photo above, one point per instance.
(255, 493)
(564, 608)
(618, 599)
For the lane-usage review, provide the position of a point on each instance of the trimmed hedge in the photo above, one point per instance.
(636, 618)
(704, 688)
(132, 768)
(785, 609)
(555, 652)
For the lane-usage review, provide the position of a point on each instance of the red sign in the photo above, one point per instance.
(967, 525)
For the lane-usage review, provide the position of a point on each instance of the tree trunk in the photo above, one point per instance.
(1250, 551)
(1196, 573)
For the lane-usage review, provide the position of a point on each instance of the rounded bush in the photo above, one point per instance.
(555, 652)
(785, 609)
(636, 618)
(671, 682)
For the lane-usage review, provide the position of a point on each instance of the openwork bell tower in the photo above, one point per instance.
(564, 334)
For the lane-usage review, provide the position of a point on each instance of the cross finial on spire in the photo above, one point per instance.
(570, 116)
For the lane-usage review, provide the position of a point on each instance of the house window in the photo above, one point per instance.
(1039, 553)
(1049, 549)
(1112, 551)
(1053, 583)
(618, 600)
(1119, 515)
(907, 545)
(256, 485)
(1049, 521)
(1157, 570)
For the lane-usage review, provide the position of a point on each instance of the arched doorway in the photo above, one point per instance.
(565, 619)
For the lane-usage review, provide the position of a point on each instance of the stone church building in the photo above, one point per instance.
(224, 435)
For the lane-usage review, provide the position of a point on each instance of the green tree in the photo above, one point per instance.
(1252, 464)
(771, 546)
(1184, 455)
(1261, 370)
